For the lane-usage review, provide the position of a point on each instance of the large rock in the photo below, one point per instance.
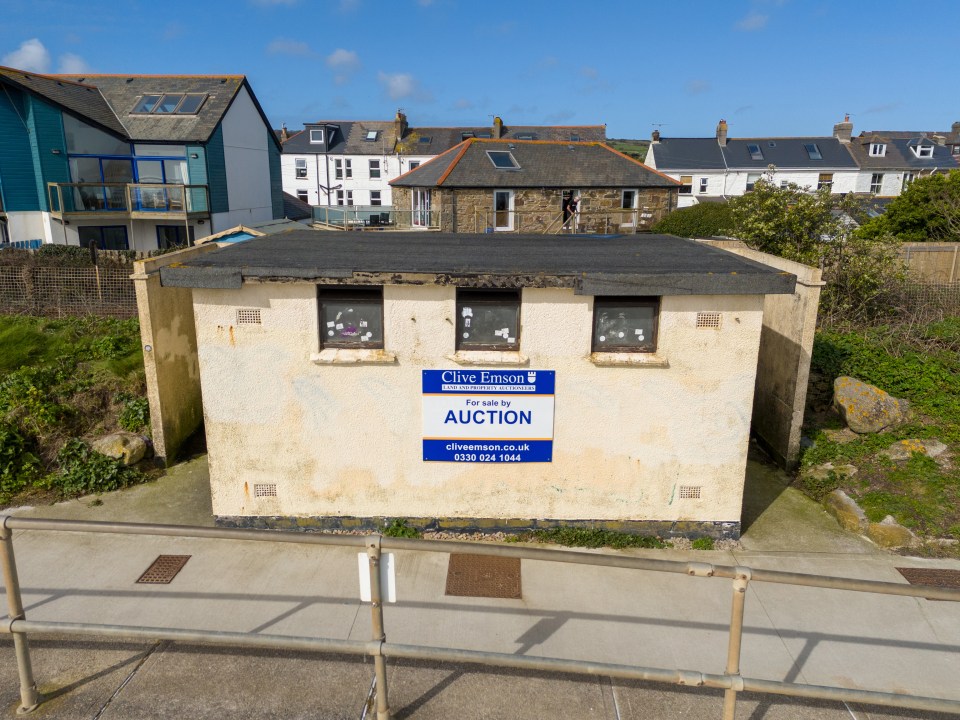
(890, 534)
(866, 408)
(904, 449)
(850, 516)
(128, 447)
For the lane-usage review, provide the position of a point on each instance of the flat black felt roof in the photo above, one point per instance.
(591, 264)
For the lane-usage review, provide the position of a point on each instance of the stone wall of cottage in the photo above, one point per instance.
(539, 210)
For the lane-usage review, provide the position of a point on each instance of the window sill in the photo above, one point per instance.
(350, 356)
(628, 359)
(489, 357)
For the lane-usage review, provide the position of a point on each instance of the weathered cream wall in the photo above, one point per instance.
(786, 347)
(933, 262)
(345, 440)
(169, 353)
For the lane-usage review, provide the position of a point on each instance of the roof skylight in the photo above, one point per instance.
(503, 159)
(425, 140)
(813, 151)
(371, 135)
(170, 104)
(755, 152)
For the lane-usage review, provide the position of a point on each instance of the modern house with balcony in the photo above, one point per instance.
(134, 162)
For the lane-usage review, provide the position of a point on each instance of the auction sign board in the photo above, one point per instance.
(488, 416)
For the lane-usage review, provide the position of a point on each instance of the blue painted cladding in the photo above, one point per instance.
(276, 181)
(197, 173)
(46, 122)
(18, 180)
(217, 173)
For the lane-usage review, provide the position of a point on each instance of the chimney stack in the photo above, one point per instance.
(940, 139)
(722, 133)
(497, 128)
(843, 131)
(284, 135)
(955, 128)
(655, 136)
(400, 124)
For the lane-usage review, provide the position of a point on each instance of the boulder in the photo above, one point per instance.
(125, 446)
(850, 516)
(822, 472)
(904, 449)
(842, 436)
(866, 408)
(891, 534)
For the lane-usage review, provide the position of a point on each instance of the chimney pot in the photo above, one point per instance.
(843, 131)
(655, 136)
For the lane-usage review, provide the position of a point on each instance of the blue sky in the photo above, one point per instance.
(770, 67)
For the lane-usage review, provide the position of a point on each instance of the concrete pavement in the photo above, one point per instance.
(800, 634)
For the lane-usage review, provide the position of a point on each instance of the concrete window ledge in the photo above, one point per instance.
(628, 359)
(489, 357)
(349, 356)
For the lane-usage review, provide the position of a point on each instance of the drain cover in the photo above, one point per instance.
(164, 569)
(483, 576)
(931, 576)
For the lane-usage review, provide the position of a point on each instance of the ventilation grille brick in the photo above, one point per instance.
(248, 316)
(264, 490)
(708, 319)
(690, 492)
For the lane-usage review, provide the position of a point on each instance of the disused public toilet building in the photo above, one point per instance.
(465, 381)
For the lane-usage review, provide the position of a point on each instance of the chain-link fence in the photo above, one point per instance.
(58, 291)
(936, 300)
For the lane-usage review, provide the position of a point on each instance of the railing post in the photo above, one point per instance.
(740, 582)
(29, 699)
(376, 617)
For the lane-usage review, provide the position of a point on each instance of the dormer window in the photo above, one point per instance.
(371, 135)
(813, 152)
(467, 135)
(923, 151)
(316, 136)
(878, 149)
(755, 152)
(503, 159)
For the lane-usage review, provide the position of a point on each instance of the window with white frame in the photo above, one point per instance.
(825, 180)
(955, 149)
(374, 169)
(316, 136)
(625, 324)
(752, 181)
(301, 164)
(878, 149)
(907, 179)
(923, 151)
(375, 197)
(503, 209)
(628, 200)
(686, 184)
(351, 317)
(488, 319)
(876, 182)
(414, 164)
(503, 159)
(371, 135)
(755, 152)
(704, 182)
(784, 184)
(338, 169)
(303, 195)
(344, 197)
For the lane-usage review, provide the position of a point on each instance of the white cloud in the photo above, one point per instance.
(402, 85)
(753, 21)
(31, 55)
(285, 46)
(71, 64)
(344, 63)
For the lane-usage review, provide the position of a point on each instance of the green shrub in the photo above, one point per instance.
(595, 538)
(18, 465)
(703, 543)
(83, 470)
(701, 220)
(135, 414)
(399, 528)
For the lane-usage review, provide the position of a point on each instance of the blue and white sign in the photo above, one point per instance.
(488, 415)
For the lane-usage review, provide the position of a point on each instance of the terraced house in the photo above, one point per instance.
(135, 162)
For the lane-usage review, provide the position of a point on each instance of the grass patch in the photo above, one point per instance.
(398, 528)
(592, 538)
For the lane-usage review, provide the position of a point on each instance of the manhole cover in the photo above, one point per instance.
(483, 576)
(931, 576)
(164, 569)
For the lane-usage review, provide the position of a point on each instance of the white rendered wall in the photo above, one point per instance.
(346, 439)
(247, 164)
(33, 225)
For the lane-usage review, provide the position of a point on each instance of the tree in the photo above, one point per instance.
(928, 210)
(700, 220)
(819, 228)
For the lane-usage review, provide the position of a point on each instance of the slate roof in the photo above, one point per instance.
(296, 209)
(81, 99)
(898, 155)
(107, 100)
(610, 265)
(357, 144)
(541, 164)
(444, 138)
(336, 133)
(785, 152)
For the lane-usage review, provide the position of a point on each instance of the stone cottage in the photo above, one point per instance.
(533, 186)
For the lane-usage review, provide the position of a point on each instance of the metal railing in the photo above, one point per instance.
(731, 681)
(586, 221)
(128, 198)
(375, 217)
